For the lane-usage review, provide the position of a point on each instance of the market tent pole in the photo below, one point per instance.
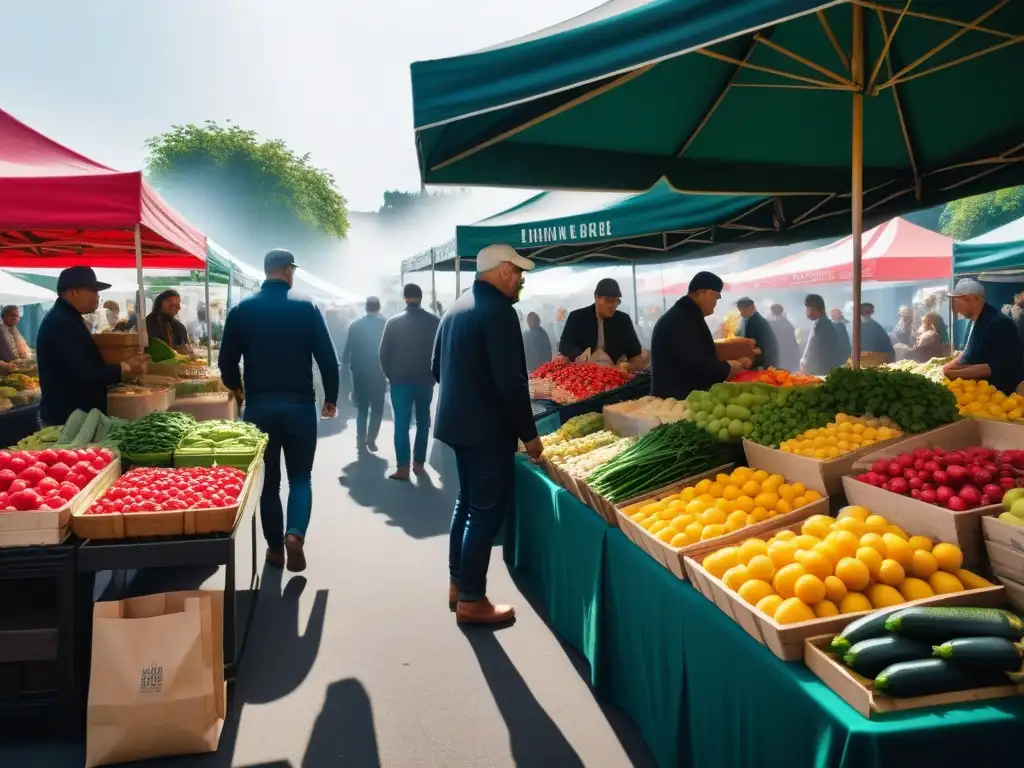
(209, 318)
(231, 279)
(458, 276)
(636, 306)
(140, 308)
(857, 171)
(433, 283)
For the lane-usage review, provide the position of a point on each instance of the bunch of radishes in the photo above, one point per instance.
(957, 480)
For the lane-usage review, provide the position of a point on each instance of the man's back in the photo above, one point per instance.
(279, 336)
(406, 346)
(481, 367)
(362, 348)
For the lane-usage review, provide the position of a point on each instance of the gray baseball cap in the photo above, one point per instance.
(967, 287)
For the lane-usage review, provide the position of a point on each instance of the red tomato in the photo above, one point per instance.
(67, 456)
(7, 476)
(5, 459)
(32, 475)
(17, 485)
(86, 454)
(54, 503)
(68, 491)
(48, 457)
(58, 471)
(17, 464)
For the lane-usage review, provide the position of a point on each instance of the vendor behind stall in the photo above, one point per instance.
(993, 351)
(72, 374)
(755, 327)
(12, 343)
(683, 353)
(162, 323)
(601, 328)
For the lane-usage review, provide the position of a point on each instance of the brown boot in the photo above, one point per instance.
(483, 612)
(275, 556)
(296, 557)
(453, 595)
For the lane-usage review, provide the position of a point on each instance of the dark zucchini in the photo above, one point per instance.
(939, 624)
(996, 654)
(866, 628)
(930, 676)
(869, 657)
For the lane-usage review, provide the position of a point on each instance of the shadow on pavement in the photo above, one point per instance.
(418, 507)
(533, 736)
(344, 733)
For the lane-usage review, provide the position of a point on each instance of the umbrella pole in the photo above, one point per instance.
(857, 172)
(458, 277)
(209, 318)
(140, 307)
(636, 307)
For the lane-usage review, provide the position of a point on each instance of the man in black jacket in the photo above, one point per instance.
(72, 374)
(760, 330)
(405, 350)
(683, 355)
(483, 410)
(823, 351)
(361, 358)
(601, 328)
(536, 342)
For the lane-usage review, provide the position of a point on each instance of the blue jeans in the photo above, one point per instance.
(368, 396)
(291, 427)
(486, 491)
(405, 397)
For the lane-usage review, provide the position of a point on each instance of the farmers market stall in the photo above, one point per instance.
(691, 678)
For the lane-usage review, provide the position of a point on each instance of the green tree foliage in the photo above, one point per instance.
(247, 193)
(405, 207)
(972, 216)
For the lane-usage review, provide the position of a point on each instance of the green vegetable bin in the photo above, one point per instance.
(162, 459)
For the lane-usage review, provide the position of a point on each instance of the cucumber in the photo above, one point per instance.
(866, 628)
(996, 654)
(869, 657)
(930, 676)
(939, 624)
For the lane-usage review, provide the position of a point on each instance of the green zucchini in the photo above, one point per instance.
(930, 676)
(939, 624)
(869, 657)
(866, 628)
(983, 653)
(72, 427)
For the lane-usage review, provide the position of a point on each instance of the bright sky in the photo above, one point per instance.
(330, 77)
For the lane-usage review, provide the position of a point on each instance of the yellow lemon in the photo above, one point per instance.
(898, 549)
(875, 524)
(782, 553)
(769, 605)
(871, 559)
(735, 577)
(783, 507)
(895, 529)
(971, 580)
(891, 572)
(785, 491)
(945, 583)
(854, 602)
(845, 542)
(884, 596)
(667, 512)
(949, 557)
(923, 564)
(785, 535)
(825, 609)
(707, 500)
(666, 534)
(679, 522)
(723, 504)
(804, 541)
(854, 511)
(766, 500)
(688, 495)
(812, 496)
(712, 531)
(741, 474)
(716, 490)
(723, 479)
(638, 517)
(920, 542)
(815, 563)
(731, 493)
(799, 501)
(694, 530)
(735, 521)
(744, 504)
(816, 525)
(876, 542)
(915, 589)
(752, 547)
(657, 526)
(751, 488)
(792, 611)
(713, 516)
(835, 590)
(776, 480)
(755, 590)
(759, 476)
(717, 563)
(810, 589)
(786, 577)
(702, 486)
(853, 573)
(851, 524)
(695, 507)
(681, 540)
(759, 515)
(761, 567)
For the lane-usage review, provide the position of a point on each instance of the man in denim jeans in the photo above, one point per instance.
(405, 350)
(279, 335)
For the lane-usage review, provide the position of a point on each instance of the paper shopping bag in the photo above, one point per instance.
(157, 679)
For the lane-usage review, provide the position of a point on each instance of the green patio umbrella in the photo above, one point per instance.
(878, 107)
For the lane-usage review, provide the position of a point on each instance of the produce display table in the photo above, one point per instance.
(699, 688)
(18, 423)
(549, 415)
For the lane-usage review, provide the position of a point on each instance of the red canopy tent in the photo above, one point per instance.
(60, 209)
(896, 251)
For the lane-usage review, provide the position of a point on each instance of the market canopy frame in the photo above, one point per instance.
(1001, 250)
(773, 104)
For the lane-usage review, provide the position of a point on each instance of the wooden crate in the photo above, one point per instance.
(674, 558)
(1014, 593)
(1006, 534)
(787, 640)
(1005, 561)
(859, 691)
(50, 526)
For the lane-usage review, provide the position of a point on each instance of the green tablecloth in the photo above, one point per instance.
(703, 692)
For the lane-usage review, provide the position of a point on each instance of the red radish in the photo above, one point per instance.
(863, 478)
(928, 496)
(1006, 483)
(880, 467)
(957, 504)
(5, 458)
(898, 485)
(910, 474)
(915, 493)
(944, 493)
(915, 484)
(919, 464)
(931, 466)
(905, 460)
(941, 477)
(894, 469)
(925, 475)
(957, 475)
(994, 492)
(68, 491)
(928, 487)
(887, 486)
(971, 495)
(54, 502)
(985, 501)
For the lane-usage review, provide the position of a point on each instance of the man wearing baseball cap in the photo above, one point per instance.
(601, 328)
(483, 411)
(993, 351)
(72, 373)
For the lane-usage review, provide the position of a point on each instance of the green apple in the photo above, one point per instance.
(1018, 508)
(1012, 519)
(1011, 497)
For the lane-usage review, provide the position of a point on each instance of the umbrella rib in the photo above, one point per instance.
(721, 97)
(980, 174)
(824, 201)
(884, 55)
(944, 44)
(769, 70)
(977, 54)
(932, 17)
(794, 86)
(1000, 158)
(621, 80)
(899, 106)
(834, 40)
(806, 62)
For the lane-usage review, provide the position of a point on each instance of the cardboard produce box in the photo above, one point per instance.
(859, 691)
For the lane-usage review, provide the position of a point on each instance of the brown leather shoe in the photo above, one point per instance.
(419, 469)
(483, 612)
(453, 595)
(275, 556)
(402, 473)
(296, 557)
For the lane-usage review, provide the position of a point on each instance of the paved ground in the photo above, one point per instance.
(357, 662)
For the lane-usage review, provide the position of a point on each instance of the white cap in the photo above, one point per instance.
(968, 287)
(495, 255)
